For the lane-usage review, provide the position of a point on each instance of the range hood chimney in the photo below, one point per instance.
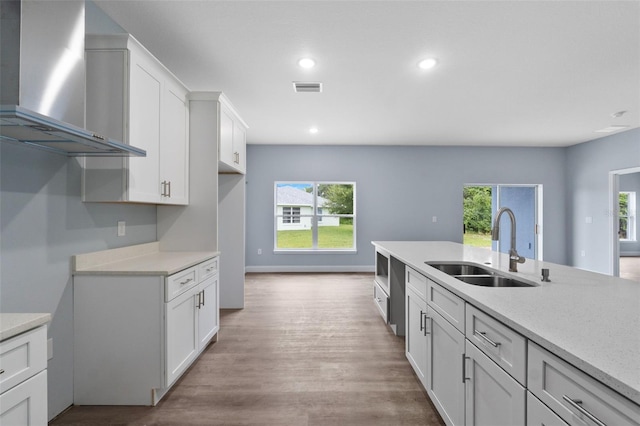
(42, 76)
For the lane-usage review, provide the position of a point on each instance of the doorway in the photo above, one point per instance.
(624, 194)
(481, 203)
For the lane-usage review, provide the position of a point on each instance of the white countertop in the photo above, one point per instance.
(13, 324)
(589, 319)
(142, 259)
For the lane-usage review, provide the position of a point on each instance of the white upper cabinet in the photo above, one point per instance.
(232, 139)
(133, 98)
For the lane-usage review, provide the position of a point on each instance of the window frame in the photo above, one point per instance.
(316, 216)
(630, 216)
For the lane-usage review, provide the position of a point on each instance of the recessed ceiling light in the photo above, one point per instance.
(307, 63)
(427, 64)
(611, 129)
(313, 130)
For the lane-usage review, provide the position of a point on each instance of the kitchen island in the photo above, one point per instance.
(589, 320)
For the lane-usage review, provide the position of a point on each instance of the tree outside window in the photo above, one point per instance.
(627, 216)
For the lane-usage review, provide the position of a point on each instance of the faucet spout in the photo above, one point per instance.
(514, 258)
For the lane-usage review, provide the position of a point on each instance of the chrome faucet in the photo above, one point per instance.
(514, 258)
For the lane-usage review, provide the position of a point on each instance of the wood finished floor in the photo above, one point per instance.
(630, 268)
(308, 349)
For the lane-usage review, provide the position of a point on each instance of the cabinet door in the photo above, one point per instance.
(144, 129)
(493, 398)
(239, 146)
(539, 414)
(226, 136)
(182, 333)
(416, 334)
(208, 312)
(445, 385)
(174, 146)
(26, 403)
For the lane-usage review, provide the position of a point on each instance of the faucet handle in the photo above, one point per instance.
(521, 259)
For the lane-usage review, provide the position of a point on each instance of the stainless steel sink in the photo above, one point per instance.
(477, 275)
(493, 281)
(460, 268)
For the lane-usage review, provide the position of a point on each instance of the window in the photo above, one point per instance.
(315, 216)
(290, 214)
(627, 216)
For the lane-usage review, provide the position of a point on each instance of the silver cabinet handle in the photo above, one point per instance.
(464, 368)
(575, 403)
(202, 297)
(187, 281)
(489, 341)
(421, 319)
(169, 185)
(426, 318)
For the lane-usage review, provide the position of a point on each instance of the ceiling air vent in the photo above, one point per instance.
(307, 87)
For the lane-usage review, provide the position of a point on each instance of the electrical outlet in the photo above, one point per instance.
(583, 253)
(434, 219)
(122, 228)
(259, 251)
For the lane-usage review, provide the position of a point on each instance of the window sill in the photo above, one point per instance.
(315, 251)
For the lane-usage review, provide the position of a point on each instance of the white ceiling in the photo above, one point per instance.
(510, 73)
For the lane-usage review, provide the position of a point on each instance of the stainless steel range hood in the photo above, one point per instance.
(22, 125)
(42, 91)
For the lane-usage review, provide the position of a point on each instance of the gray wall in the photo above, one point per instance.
(588, 167)
(43, 223)
(631, 182)
(399, 189)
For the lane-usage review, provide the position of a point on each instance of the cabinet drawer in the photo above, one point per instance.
(539, 414)
(207, 269)
(381, 300)
(503, 345)
(447, 304)
(417, 281)
(560, 386)
(22, 356)
(180, 282)
(26, 403)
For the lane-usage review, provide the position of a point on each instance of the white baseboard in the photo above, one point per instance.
(309, 268)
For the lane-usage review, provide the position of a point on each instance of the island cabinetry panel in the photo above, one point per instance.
(23, 378)
(575, 396)
(500, 343)
(539, 414)
(133, 98)
(416, 339)
(135, 335)
(492, 397)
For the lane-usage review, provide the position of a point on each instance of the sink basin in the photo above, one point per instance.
(493, 281)
(460, 268)
(477, 275)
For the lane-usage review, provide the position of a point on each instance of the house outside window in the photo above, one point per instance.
(290, 214)
(627, 216)
(315, 216)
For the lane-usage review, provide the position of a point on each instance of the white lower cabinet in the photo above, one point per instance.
(135, 335)
(445, 385)
(182, 333)
(493, 397)
(23, 379)
(573, 395)
(416, 339)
